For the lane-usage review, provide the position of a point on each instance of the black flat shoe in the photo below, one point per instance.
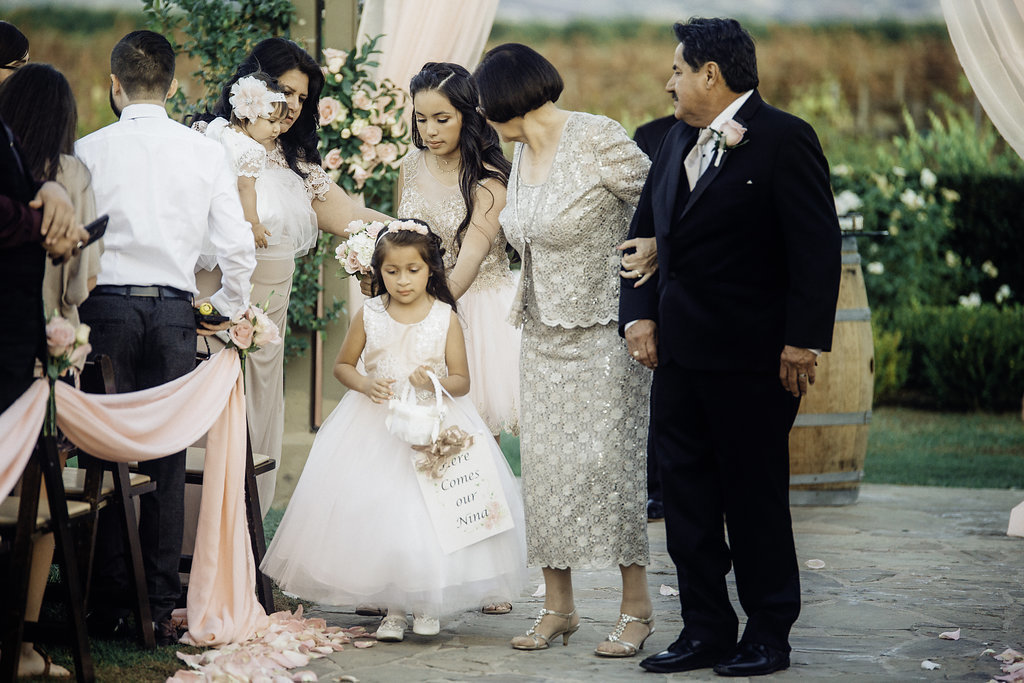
(753, 659)
(655, 510)
(683, 655)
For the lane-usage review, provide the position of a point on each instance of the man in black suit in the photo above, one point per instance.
(732, 321)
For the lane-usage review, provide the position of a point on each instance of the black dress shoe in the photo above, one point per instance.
(655, 510)
(166, 633)
(753, 659)
(683, 655)
(108, 625)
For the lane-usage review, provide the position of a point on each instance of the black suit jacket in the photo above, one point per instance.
(749, 260)
(649, 136)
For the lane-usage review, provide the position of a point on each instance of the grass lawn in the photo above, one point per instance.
(921, 448)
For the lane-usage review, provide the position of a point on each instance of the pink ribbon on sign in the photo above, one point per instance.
(148, 424)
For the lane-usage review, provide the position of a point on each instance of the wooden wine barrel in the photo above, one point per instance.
(830, 436)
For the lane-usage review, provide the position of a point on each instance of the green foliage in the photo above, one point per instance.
(69, 20)
(930, 256)
(892, 364)
(306, 287)
(960, 357)
(362, 139)
(218, 34)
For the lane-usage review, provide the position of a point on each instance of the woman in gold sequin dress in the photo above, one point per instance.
(454, 179)
(575, 181)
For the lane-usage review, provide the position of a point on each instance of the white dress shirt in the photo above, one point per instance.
(708, 152)
(167, 189)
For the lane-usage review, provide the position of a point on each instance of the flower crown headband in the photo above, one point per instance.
(251, 98)
(399, 226)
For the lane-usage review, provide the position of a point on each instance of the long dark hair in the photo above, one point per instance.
(431, 251)
(479, 149)
(37, 103)
(275, 56)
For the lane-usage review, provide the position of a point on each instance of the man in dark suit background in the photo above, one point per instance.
(742, 302)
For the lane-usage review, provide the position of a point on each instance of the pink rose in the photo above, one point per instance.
(335, 59)
(333, 159)
(360, 174)
(60, 336)
(374, 228)
(368, 151)
(329, 110)
(732, 133)
(388, 152)
(352, 264)
(371, 135)
(361, 100)
(241, 334)
(79, 355)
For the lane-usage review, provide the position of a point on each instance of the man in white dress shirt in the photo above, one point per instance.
(167, 189)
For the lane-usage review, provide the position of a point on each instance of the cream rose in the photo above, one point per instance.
(241, 334)
(329, 110)
(371, 135)
(388, 152)
(361, 99)
(333, 159)
(60, 336)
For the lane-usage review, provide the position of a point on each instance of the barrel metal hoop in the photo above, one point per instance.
(825, 477)
(830, 419)
(851, 259)
(853, 315)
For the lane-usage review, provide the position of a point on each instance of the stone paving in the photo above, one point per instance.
(902, 565)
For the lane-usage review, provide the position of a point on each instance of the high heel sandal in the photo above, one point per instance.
(532, 640)
(629, 649)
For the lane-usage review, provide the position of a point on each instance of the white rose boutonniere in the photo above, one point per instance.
(730, 137)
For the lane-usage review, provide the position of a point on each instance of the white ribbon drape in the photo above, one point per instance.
(988, 36)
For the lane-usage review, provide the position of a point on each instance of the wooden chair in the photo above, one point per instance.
(101, 483)
(23, 522)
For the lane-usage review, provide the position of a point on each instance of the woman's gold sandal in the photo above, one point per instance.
(627, 649)
(532, 640)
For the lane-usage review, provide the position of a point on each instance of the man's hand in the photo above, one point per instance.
(642, 342)
(642, 263)
(796, 369)
(58, 213)
(209, 329)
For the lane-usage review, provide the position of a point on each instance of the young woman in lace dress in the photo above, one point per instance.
(454, 179)
(575, 181)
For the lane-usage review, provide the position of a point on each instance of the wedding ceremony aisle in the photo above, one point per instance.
(901, 567)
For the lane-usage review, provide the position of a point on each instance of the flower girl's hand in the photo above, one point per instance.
(259, 234)
(420, 379)
(366, 286)
(378, 390)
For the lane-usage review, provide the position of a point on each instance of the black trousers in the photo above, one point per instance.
(150, 341)
(722, 441)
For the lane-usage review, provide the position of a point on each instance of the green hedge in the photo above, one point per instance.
(950, 357)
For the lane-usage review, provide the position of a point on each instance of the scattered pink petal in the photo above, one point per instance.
(987, 651)
(929, 665)
(304, 676)
(539, 593)
(1009, 655)
(950, 635)
(668, 590)
(348, 678)
(815, 564)
(364, 643)
(179, 618)
(1015, 676)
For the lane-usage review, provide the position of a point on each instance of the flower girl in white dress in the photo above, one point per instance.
(357, 529)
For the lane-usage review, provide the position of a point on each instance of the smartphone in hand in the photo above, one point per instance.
(96, 229)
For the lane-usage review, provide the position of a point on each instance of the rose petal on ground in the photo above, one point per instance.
(929, 665)
(304, 676)
(988, 651)
(815, 564)
(1009, 655)
(950, 635)
(364, 643)
(539, 593)
(668, 590)
(348, 678)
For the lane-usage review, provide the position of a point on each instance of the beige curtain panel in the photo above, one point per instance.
(420, 31)
(988, 36)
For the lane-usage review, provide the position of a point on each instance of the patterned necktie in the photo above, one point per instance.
(692, 161)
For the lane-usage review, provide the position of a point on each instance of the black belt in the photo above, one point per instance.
(152, 291)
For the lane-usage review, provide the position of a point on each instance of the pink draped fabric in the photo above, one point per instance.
(148, 424)
(19, 427)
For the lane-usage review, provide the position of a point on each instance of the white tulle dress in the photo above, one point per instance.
(357, 530)
(492, 344)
